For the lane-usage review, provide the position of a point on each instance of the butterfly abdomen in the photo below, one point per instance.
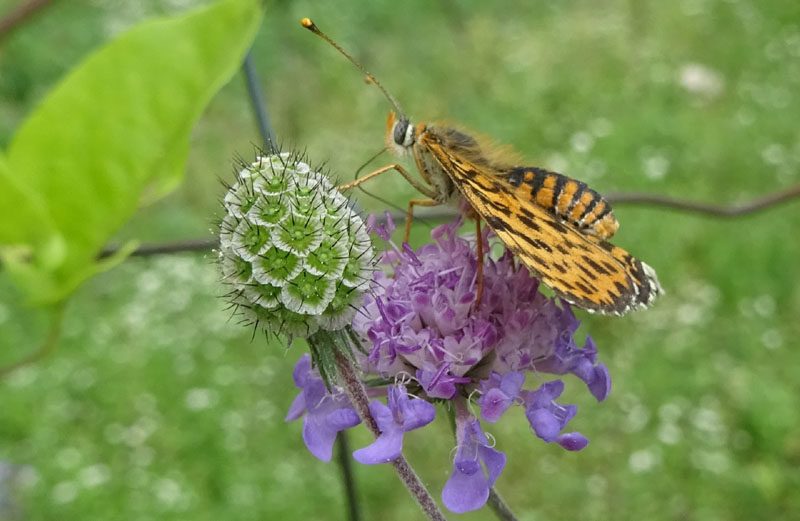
(567, 198)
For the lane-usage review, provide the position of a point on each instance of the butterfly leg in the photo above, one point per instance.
(425, 190)
(410, 213)
(479, 236)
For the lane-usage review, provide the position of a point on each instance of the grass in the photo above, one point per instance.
(156, 407)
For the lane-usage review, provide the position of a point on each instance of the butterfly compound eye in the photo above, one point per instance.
(403, 133)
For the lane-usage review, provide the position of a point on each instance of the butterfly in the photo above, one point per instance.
(557, 226)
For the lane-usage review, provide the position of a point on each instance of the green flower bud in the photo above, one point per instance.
(297, 257)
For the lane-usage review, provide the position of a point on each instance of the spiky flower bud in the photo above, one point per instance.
(298, 257)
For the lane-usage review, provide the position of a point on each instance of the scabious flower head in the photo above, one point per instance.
(297, 257)
(422, 324)
(426, 338)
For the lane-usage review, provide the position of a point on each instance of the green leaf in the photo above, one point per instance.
(113, 132)
(18, 206)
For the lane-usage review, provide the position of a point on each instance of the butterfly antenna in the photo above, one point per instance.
(311, 26)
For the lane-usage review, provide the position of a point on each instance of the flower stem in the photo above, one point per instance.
(358, 396)
(48, 346)
(499, 506)
(347, 477)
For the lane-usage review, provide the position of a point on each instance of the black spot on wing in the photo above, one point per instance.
(557, 226)
(595, 266)
(528, 222)
(495, 223)
(538, 260)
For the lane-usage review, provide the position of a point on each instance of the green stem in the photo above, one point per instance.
(499, 506)
(347, 476)
(48, 346)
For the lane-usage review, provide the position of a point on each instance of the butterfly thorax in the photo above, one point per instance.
(404, 138)
(431, 169)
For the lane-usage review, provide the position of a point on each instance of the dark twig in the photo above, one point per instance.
(257, 100)
(202, 245)
(20, 14)
(159, 248)
(499, 506)
(716, 210)
(633, 198)
(345, 463)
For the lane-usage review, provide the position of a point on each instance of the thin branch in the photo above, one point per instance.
(716, 210)
(159, 248)
(499, 506)
(257, 101)
(48, 346)
(634, 198)
(20, 14)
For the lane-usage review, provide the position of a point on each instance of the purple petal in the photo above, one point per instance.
(382, 415)
(468, 486)
(436, 385)
(499, 394)
(600, 382)
(301, 371)
(383, 230)
(318, 437)
(297, 409)
(573, 441)
(495, 462)
(417, 413)
(544, 424)
(386, 448)
(493, 404)
(342, 419)
(464, 492)
(512, 383)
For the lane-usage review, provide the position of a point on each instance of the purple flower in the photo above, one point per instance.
(567, 357)
(499, 393)
(548, 418)
(327, 414)
(402, 415)
(422, 325)
(423, 322)
(475, 469)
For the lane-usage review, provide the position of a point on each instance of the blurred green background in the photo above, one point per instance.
(156, 407)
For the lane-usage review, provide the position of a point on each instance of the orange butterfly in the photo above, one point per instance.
(556, 225)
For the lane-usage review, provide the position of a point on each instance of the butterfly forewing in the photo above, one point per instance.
(582, 269)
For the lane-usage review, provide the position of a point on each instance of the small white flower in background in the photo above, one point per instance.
(297, 256)
(701, 80)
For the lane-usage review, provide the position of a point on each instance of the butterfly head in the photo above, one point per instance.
(399, 134)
